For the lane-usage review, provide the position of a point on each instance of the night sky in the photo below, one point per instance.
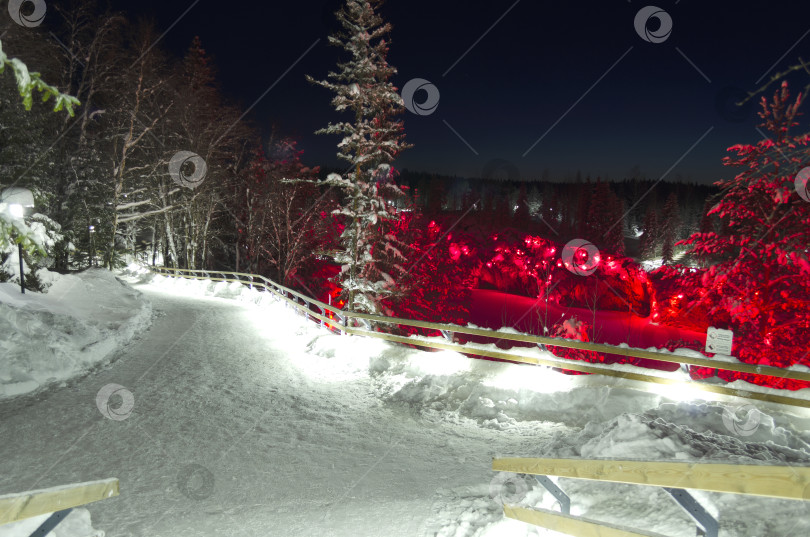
(646, 105)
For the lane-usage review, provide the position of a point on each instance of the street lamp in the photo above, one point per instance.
(18, 200)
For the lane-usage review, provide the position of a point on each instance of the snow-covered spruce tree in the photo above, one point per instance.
(650, 234)
(760, 286)
(604, 218)
(370, 259)
(36, 236)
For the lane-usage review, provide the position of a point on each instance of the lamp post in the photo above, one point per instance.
(18, 200)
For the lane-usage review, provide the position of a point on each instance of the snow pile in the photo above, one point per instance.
(75, 326)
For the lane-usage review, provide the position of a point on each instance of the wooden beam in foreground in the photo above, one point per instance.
(784, 482)
(571, 525)
(23, 505)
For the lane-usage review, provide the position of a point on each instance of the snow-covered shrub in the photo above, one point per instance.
(40, 236)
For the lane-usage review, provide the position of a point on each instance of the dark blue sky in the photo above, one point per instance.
(654, 100)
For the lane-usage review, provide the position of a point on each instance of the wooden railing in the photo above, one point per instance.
(361, 324)
(58, 501)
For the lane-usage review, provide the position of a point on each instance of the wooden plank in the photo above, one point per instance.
(784, 482)
(23, 505)
(571, 525)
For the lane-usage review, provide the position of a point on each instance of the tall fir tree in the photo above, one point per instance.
(650, 234)
(605, 218)
(370, 258)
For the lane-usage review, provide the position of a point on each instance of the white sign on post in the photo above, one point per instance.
(719, 341)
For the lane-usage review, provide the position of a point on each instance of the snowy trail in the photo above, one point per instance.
(296, 431)
(289, 455)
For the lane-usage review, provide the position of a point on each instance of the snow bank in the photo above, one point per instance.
(75, 326)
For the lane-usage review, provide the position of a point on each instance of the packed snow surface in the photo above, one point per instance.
(231, 415)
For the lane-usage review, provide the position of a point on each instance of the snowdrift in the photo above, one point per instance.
(77, 325)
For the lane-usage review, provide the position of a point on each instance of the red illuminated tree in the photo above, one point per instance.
(761, 285)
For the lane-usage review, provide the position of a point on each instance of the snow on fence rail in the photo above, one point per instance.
(360, 324)
(782, 482)
(57, 500)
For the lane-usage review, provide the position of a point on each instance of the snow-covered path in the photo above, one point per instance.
(249, 421)
(288, 454)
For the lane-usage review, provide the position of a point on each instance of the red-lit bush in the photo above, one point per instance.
(534, 267)
(439, 276)
(672, 298)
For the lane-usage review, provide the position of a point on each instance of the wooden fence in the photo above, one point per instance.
(361, 324)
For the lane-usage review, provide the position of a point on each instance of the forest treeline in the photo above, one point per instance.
(102, 178)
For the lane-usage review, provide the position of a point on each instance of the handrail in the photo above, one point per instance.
(341, 323)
